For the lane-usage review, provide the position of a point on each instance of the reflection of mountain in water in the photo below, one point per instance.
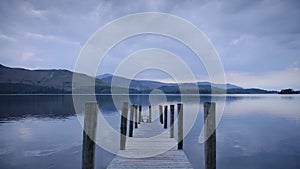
(36, 105)
(61, 106)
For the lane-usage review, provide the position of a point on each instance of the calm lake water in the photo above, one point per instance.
(255, 131)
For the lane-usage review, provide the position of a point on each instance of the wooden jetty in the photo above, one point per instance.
(151, 138)
(151, 147)
(151, 144)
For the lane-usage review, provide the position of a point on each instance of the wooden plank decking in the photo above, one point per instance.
(151, 147)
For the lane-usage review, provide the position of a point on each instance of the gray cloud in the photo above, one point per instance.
(252, 37)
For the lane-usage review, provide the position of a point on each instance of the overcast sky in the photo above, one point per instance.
(258, 41)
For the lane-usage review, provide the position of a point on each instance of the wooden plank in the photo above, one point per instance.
(131, 121)
(160, 114)
(123, 126)
(89, 135)
(150, 115)
(180, 126)
(135, 116)
(149, 139)
(166, 117)
(210, 134)
(171, 121)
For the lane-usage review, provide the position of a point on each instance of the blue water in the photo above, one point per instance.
(255, 131)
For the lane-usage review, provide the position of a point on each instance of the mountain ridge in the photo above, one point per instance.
(20, 80)
(107, 78)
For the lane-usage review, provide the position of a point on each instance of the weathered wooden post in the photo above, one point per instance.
(89, 135)
(150, 115)
(171, 121)
(160, 114)
(131, 121)
(180, 126)
(166, 117)
(210, 134)
(140, 114)
(123, 126)
(135, 116)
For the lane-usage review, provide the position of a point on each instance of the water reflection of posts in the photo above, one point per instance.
(160, 114)
(180, 126)
(171, 121)
(123, 126)
(135, 116)
(210, 134)
(89, 135)
(150, 115)
(166, 117)
(131, 121)
(140, 114)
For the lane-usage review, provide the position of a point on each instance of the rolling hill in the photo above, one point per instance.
(24, 81)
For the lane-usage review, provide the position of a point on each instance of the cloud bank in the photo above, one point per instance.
(258, 41)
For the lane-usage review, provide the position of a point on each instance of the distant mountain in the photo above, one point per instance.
(146, 86)
(133, 84)
(150, 85)
(18, 80)
(221, 86)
